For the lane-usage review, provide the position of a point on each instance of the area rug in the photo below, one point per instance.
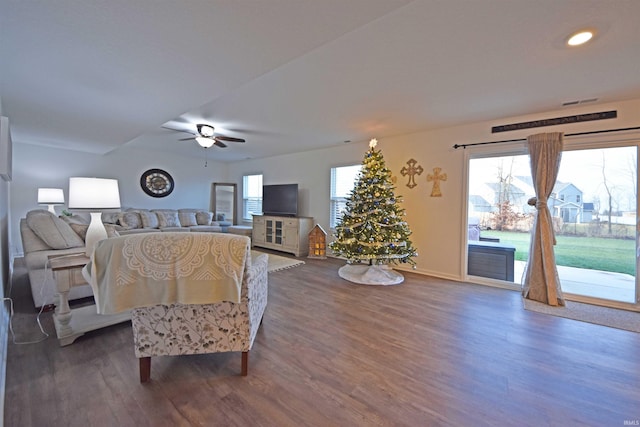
(612, 317)
(277, 262)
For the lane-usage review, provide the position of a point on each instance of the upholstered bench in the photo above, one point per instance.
(242, 230)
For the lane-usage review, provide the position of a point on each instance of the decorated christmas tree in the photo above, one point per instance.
(372, 230)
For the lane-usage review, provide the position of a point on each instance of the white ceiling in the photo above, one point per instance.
(295, 75)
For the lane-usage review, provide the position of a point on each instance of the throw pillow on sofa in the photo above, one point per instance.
(168, 219)
(52, 230)
(130, 219)
(187, 219)
(74, 219)
(149, 219)
(110, 217)
(81, 230)
(204, 218)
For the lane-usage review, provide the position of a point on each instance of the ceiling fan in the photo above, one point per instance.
(206, 137)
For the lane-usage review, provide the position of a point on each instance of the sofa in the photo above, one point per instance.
(44, 234)
(187, 293)
(132, 220)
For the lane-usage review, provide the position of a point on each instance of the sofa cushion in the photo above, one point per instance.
(168, 219)
(187, 219)
(81, 230)
(176, 229)
(204, 218)
(130, 219)
(52, 230)
(128, 231)
(30, 240)
(206, 228)
(149, 219)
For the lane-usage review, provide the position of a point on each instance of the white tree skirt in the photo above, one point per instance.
(370, 274)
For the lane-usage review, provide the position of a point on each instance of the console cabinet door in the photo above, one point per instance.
(258, 235)
(291, 237)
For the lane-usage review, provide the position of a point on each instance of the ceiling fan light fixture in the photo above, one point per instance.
(204, 142)
(206, 130)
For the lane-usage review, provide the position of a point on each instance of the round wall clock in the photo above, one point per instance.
(156, 183)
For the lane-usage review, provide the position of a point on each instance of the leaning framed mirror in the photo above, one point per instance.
(224, 201)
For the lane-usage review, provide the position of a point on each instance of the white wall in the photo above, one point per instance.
(36, 166)
(436, 223)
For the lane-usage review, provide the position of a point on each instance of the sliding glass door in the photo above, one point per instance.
(594, 209)
(595, 204)
(499, 219)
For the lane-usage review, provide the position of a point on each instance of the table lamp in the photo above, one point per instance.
(94, 195)
(51, 197)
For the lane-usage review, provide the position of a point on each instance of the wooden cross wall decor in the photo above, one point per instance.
(412, 171)
(436, 177)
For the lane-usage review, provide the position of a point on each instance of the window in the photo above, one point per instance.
(251, 196)
(343, 180)
(594, 219)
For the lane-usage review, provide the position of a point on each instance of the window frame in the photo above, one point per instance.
(337, 203)
(249, 199)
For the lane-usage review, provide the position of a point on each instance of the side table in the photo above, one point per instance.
(71, 324)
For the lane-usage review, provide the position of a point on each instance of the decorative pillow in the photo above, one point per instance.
(220, 217)
(187, 219)
(168, 219)
(81, 230)
(149, 219)
(74, 219)
(130, 219)
(204, 218)
(52, 230)
(110, 217)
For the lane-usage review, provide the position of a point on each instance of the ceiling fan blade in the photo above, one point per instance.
(228, 138)
(220, 144)
(176, 130)
(187, 139)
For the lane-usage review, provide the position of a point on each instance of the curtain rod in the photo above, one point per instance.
(524, 139)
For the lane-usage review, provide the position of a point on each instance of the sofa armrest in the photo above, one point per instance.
(257, 291)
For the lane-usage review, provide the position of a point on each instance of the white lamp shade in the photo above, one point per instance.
(50, 196)
(93, 193)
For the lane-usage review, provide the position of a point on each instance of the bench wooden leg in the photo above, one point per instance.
(145, 369)
(245, 363)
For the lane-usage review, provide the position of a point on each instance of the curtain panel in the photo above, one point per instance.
(541, 282)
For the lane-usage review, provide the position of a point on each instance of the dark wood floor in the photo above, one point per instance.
(331, 353)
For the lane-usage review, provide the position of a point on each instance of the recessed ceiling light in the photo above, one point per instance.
(579, 38)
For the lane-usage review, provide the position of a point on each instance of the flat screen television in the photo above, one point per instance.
(280, 200)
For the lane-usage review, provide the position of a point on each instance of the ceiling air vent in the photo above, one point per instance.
(582, 101)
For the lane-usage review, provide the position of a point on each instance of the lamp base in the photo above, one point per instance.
(95, 233)
(52, 209)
